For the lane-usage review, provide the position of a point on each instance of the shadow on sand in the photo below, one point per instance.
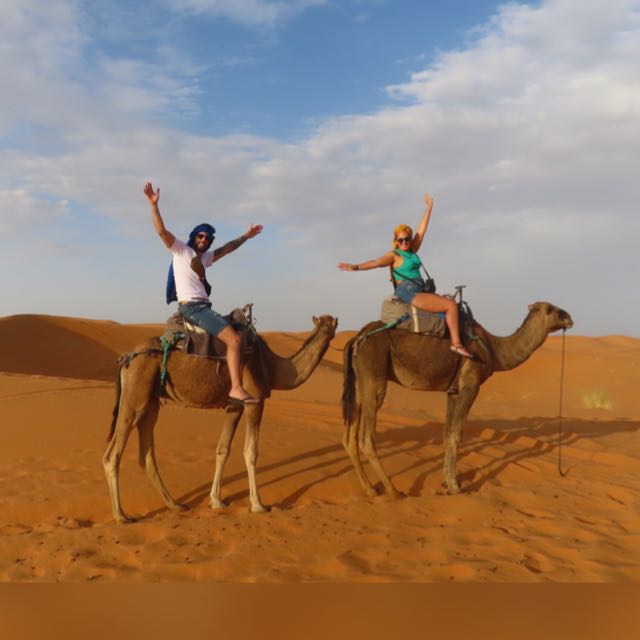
(478, 436)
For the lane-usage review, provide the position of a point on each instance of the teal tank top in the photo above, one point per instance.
(410, 267)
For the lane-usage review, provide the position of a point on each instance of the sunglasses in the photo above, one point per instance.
(402, 240)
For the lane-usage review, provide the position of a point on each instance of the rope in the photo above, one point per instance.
(562, 473)
(389, 325)
(166, 347)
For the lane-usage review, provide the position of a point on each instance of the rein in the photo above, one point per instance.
(562, 473)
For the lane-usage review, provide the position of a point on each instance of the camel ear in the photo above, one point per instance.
(315, 320)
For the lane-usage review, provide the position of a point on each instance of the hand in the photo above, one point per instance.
(253, 231)
(428, 200)
(345, 266)
(152, 197)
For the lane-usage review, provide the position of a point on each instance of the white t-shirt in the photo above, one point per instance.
(188, 283)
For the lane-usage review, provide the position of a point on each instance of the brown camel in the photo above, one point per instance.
(423, 362)
(199, 382)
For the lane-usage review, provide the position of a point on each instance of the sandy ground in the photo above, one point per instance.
(517, 520)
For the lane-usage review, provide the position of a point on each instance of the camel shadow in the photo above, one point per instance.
(338, 465)
(547, 437)
(544, 433)
(198, 495)
(411, 440)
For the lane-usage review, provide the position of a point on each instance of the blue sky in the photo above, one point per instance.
(325, 121)
(281, 78)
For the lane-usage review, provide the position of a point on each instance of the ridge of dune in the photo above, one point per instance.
(66, 347)
(599, 378)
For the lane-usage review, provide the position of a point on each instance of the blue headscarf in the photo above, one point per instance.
(171, 281)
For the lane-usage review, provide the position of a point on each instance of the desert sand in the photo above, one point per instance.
(517, 520)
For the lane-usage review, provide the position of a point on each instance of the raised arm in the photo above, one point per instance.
(383, 261)
(232, 245)
(154, 197)
(422, 227)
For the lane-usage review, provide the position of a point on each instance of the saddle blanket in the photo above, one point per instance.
(418, 321)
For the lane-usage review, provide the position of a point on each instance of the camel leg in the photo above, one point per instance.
(112, 458)
(457, 412)
(147, 453)
(254, 415)
(369, 417)
(231, 420)
(452, 403)
(351, 442)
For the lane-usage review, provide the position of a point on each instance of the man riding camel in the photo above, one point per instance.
(188, 285)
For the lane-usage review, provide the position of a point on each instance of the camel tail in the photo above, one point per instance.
(350, 407)
(116, 408)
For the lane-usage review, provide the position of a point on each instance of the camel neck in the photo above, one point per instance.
(289, 373)
(511, 351)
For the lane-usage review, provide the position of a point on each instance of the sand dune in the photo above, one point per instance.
(518, 519)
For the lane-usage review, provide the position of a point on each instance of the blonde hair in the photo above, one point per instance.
(398, 230)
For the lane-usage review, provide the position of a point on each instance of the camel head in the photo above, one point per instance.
(326, 321)
(553, 317)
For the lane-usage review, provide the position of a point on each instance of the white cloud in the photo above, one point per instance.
(252, 13)
(527, 136)
(22, 209)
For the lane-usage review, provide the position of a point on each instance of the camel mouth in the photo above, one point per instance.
(566, 321)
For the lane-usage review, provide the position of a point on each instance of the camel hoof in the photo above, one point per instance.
(178, 506)
(395, 495)
(216, 503)
(260, 508)
(453, 489)
(122, 519)
(371, 492)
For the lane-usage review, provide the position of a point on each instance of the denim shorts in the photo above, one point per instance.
(407, 290)
(200, 313)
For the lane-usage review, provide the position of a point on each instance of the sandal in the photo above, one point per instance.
(461, 351)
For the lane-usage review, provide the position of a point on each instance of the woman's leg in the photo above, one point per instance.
(434, 303)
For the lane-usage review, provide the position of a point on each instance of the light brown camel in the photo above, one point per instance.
(199, 382)
(423, 362)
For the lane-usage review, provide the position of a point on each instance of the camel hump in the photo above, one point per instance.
(151, 343)
(369, 327)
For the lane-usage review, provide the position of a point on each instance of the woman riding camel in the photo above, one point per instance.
(410, 287)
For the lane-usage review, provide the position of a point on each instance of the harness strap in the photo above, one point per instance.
(166, 347)
(389, 325)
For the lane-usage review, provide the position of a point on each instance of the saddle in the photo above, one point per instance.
(410, 318)
(195, 341)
